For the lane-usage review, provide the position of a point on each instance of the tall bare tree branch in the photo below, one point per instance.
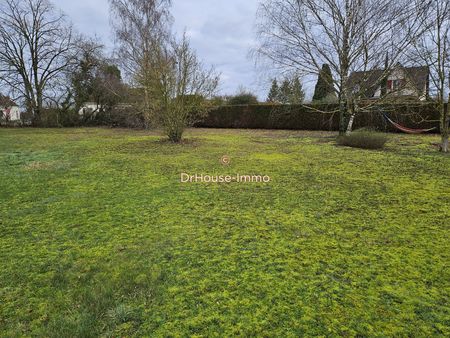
(35, 47)
(433, 49)
(348, 35)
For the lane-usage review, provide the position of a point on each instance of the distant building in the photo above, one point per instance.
(91, 108)
(9, 110)
(412, 82)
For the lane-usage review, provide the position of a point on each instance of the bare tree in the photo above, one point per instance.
(182, 89)
(348, 35)
(35, 46)
(175, 84)
(433, 49)
(142, 32)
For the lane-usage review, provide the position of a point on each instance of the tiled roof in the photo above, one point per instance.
(370, 81)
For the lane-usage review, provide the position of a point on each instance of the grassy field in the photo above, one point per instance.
(99, 237)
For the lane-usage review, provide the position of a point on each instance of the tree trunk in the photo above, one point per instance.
(146, 106)
(34, 111)
(350, 124)
(343, 108)
(444, 147)
(342, 117)
(444, 127)
(352, 118)
(37, 120)
(344, 70)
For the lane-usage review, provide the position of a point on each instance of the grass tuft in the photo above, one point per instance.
(121, 314)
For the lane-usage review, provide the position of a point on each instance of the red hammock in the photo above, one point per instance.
(408, 130)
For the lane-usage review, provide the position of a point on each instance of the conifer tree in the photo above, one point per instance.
(324, 87)
(297, 94)
(274, 92)
(285, 92)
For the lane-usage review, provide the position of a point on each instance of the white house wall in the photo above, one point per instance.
(89, 107)
(14, 114)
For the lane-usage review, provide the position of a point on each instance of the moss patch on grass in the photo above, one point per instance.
(99, 237)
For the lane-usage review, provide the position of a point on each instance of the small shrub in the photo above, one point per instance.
(121, 116)
(53, 118)
(364, 140)
(243, 98)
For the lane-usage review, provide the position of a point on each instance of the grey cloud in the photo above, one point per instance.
(220, 31)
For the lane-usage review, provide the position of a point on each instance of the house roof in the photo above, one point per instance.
(370, 80)
(5, 101)
(419, 76)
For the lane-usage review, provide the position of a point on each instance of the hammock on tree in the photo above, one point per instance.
(407, 130)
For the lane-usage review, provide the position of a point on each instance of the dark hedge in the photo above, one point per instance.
(319, 117)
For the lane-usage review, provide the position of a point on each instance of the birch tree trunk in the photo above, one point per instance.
(444, 127)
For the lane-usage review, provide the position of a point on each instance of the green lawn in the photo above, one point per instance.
(99, 237)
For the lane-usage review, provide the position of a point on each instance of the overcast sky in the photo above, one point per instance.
(222, 32)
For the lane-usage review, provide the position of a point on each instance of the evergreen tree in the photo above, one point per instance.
(285, 92)
(274, 92)
(290, 92)
(297, 94)
(324, 87)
